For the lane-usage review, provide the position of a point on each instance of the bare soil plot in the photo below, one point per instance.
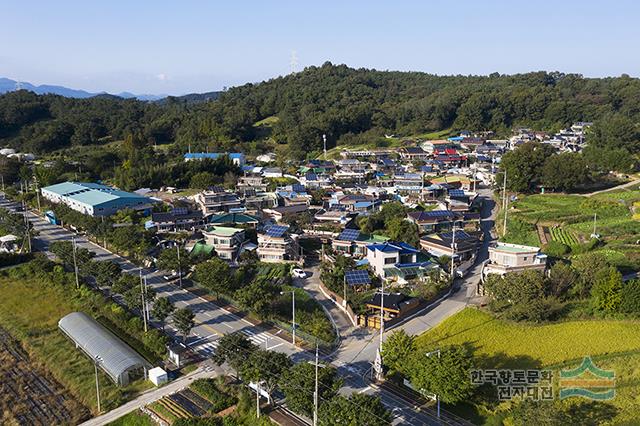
(28, 394)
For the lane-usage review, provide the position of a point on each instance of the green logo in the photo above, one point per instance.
(587, 381)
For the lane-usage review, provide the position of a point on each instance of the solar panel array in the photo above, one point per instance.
(456, 193)
(178, 211)
(357, 277)
(276, 231)
(349, 235)
(460, 235)
(438, 213)
(296, 187)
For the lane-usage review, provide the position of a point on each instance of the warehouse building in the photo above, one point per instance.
(94, 199)
(121, 363)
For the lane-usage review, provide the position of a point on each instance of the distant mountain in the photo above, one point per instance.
(192, 98)
(8, 85)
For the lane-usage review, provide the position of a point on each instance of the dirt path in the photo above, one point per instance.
(613, 188)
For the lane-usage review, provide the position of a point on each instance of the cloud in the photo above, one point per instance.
(162, 77)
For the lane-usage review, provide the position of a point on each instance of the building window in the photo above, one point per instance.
(390, 260)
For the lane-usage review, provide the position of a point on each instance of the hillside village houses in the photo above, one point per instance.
(273, 210)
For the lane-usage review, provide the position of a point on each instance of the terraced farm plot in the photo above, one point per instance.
(563, 236)
(29, 395)
(184, 404)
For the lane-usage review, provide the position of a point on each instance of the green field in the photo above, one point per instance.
(30, 310)
(500, 344)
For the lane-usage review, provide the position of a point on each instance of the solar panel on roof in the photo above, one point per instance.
(456, 193)
(276, 231)
(438, 213)
(296, 187)
(178, 211)
(349, 235)
(357, 277)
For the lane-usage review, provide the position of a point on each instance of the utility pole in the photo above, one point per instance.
(437, 396)
(95, 365)
(38, 195)
(2, 177)
(143, 306)
(75, 262)
(453, 252)
(324, 140)
(595, 218)
(505, 203)
(293, 314)
(378, 362)
(258, 398)
(179, 266)
(315, 393)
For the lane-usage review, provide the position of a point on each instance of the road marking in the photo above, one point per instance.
(364, 390)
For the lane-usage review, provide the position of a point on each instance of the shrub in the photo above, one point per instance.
(556, 249)
(208, 389)
(630, 302)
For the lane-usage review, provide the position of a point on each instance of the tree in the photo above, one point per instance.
(215, 275)
(399, 229)
(168, 260)
(564, 171)
(183, 319)
(607, 291)
(446, 375)
(562, 277)
(524, 166)
(266, 367)
(162, 308)
(397, 350)
(357, 410)
(589, 266)
(630, 298)
(298, 385)
(257, 296)
(202, 180)
(234, 349)
(515, 290)
(105, 272)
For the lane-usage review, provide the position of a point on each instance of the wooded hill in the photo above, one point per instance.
(348, 105)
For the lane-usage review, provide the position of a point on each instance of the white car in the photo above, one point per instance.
(298, 273)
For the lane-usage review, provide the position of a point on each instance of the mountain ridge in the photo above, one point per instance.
(9, 85)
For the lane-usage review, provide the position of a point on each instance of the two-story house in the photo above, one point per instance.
(354, 243)
(275, 245)
(505, 258)
(217, 200)
(227, 242)
(177, 219)
(398, 261)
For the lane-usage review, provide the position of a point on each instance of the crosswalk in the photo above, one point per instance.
(206, 347)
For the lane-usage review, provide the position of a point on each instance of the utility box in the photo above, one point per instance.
(158, 376)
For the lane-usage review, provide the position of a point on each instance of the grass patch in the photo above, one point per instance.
(135, 418)
(30, 310)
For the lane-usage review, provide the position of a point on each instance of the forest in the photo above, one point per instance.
(348, 105)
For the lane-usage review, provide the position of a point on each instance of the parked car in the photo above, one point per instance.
(298, 273)
(173, 276)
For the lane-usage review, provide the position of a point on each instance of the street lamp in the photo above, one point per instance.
(437, 351)
(293, 313)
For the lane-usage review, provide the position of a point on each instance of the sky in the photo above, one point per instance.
(184, 46)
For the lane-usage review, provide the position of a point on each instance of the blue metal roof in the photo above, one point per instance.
(91, 194)
(390, 247)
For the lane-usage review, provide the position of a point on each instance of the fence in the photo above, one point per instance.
(340, 303)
